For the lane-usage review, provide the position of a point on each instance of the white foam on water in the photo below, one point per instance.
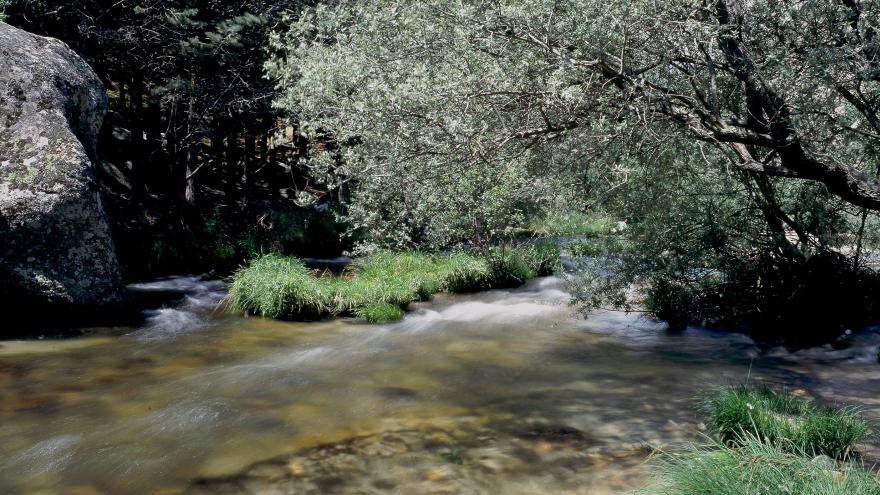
(265, 371)
(292, 360)
(184, 417)
(169, 322)
(481, 311)
(547, 289)
(639, 331)
(860, 348)
(202, 296)
(538, 298)
(50, 455)
(186, 283)
(475, 311)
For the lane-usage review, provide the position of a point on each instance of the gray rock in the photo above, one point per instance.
(55, 242)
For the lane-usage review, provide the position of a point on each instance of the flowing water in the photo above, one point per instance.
(499, 392)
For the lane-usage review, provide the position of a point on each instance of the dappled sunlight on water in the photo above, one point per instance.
(497, 392)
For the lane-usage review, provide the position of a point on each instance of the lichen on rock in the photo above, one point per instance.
(55, 241)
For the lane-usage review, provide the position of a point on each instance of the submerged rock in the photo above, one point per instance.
(55, 242)
(463, 461)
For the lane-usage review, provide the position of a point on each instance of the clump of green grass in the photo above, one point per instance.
(542, 257)
(510, 266)
(573, 223)
(756, 466)
(276, 286)
(791, 422)
(280, 287)
(380, 312)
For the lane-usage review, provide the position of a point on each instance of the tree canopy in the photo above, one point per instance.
(739, 138)
(782, 89)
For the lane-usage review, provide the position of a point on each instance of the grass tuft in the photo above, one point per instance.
(756, 466)
(280, 287)
(791, 422)
(275, 286)
(511, 266)
(380, 312)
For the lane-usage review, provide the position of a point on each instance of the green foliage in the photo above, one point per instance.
(755, 466)
(670, 303)
(380, 313)
(282, 229)
(450, 457)
(275, 286)
(428, 166)
(788, 422)
(462, 124)
(573, 224)
(771, 443)
(512, 265)
(709, 247)
(281, 287)
(507, 266)
(542, 257)
(599, 246)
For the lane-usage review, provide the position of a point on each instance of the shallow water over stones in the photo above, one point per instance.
(498, 392)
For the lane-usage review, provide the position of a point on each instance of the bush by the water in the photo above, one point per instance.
(282, 287)
(772, 294)
(754, 466)
(790, 422)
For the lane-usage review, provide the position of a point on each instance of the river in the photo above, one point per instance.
(505, 391)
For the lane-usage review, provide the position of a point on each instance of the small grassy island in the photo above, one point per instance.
(377, 287)
(767, 442)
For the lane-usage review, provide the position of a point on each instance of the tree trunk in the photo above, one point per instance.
(137, 136)
(233, 170)
(250, 150)
(189, 193)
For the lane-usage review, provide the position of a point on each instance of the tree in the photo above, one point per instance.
(763, 111)
(788, 89)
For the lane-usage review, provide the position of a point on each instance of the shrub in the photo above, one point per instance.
(756, 466)
(670, 302)
(510, 266)
(793, 423)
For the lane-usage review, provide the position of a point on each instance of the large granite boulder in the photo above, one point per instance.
(55, 243)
